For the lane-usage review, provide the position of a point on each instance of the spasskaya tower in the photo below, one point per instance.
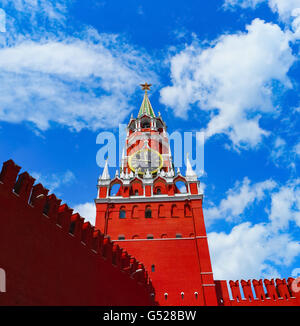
(152, 218)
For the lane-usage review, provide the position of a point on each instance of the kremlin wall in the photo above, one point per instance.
(51, 256)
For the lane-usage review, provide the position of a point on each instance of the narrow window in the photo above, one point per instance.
(72, 227)
(158, 191)
(122, 213)
(46, 208)
(148, 213)
(136, 193)
(153, 268)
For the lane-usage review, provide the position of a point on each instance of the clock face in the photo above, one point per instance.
(145, 159)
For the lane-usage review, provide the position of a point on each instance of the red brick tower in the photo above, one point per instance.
(152, 219)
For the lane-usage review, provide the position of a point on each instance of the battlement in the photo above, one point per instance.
(27, 207)
(265, 292)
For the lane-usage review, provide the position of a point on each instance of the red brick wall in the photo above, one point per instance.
(258, 293)
(45, 264)
(182, 266)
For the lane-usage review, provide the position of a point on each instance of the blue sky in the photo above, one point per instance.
(230, 68)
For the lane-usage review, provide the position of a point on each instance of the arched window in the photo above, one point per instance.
(145, 123)
(181, 186)
(122, 213)
(114, 190)
(148, 212)
(136, 192)
(158, 191)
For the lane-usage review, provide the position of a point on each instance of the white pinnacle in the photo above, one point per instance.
(190, 173)
(105, 173)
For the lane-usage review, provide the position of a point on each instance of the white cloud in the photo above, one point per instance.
(242, 3)
(201, 188)
(235, 75)
(75, 83)
(54, 11)
(278, 151)
(255, 250)
(250, 251)
(241, 196)
(55, 180)
(88, 211)
(283, 7)
(82, 81)
(285, 206)
(297, 149)
(287, 10)
(2, 21)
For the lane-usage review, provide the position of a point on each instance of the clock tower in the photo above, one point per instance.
(144, 211)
